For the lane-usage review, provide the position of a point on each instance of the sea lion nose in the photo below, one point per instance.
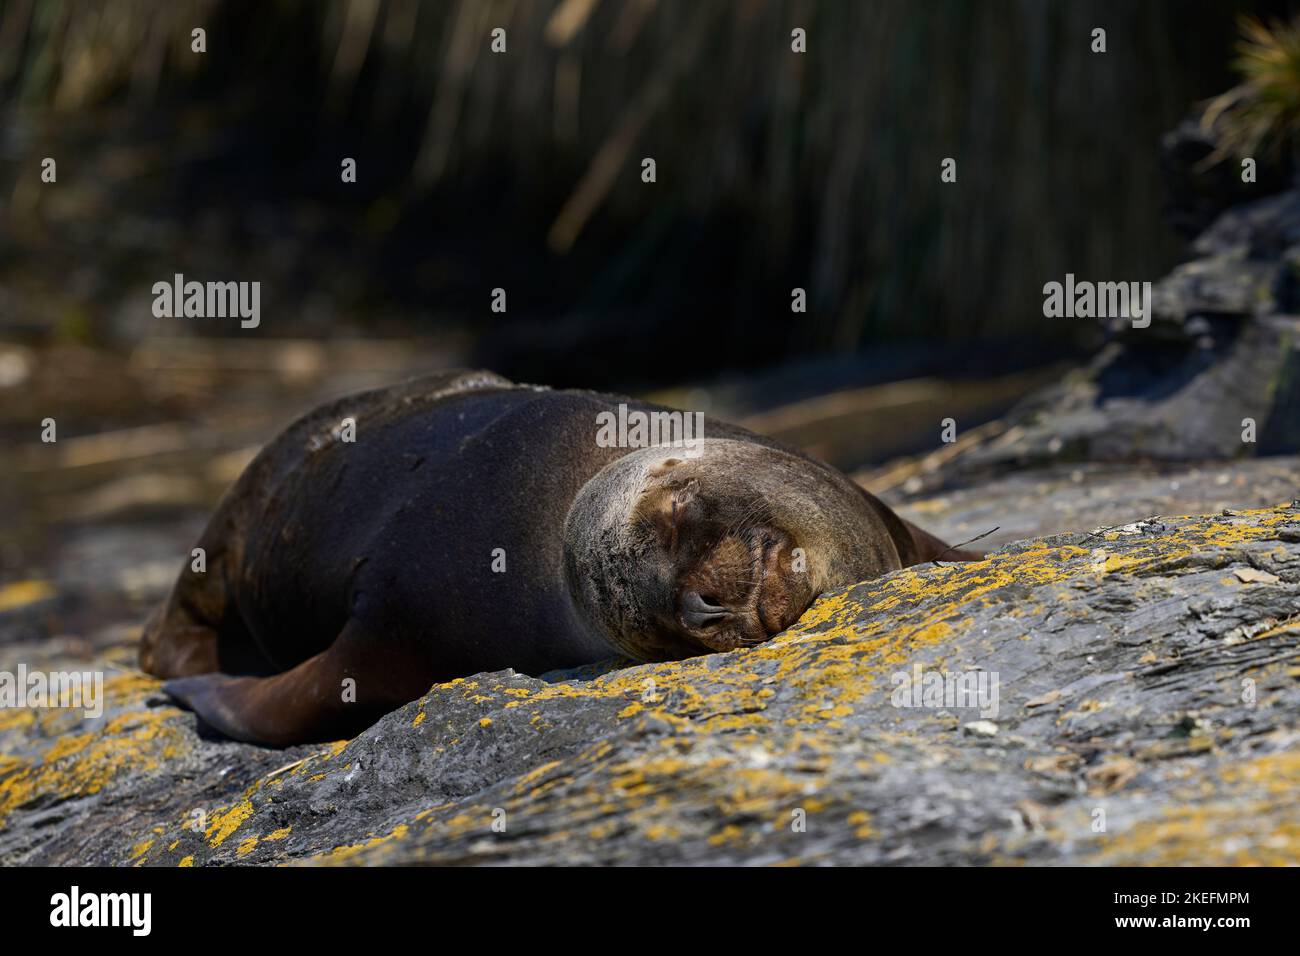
(698, 611)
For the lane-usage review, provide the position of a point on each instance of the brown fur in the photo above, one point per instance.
(370, 564)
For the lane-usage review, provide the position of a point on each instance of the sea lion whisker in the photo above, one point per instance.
(748, 519)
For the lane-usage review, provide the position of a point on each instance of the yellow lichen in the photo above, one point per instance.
(129, 744)
(342, 854)
(225, 822)
(21, 593)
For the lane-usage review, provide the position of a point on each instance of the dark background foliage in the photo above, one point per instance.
(522, 171)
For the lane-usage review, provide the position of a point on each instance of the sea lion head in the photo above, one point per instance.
(672, 555)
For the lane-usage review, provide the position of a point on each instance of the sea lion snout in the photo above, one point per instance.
(699, 611)
(746, 589)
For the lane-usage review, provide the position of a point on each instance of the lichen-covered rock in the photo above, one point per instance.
(1145, 713)
(1043, 501)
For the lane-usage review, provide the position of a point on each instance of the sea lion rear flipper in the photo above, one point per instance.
(290, 708)
(308, 703)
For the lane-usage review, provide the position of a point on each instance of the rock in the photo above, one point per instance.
(1032, 503)
(1197, 191)
(1131, 730)
(1216, 374)
(1259, 231)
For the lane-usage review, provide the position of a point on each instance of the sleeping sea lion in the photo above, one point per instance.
(475, 525)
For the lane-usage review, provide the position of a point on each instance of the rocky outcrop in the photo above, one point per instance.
(1147, 691)
(1223, 347)
(1036, 502)
(1201, 182)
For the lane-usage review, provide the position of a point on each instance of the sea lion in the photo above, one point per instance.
(473, 525)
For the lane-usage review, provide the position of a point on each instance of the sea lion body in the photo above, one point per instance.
(433, 546)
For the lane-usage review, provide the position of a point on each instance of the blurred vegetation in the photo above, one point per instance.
(1264, 109)
(522, 170)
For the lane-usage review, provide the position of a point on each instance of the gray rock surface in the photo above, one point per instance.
(1059, 498)
(1146, 713)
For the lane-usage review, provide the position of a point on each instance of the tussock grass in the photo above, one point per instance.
(823, 168)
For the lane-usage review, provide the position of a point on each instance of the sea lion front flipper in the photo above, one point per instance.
(221, 701)
(330, 696)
